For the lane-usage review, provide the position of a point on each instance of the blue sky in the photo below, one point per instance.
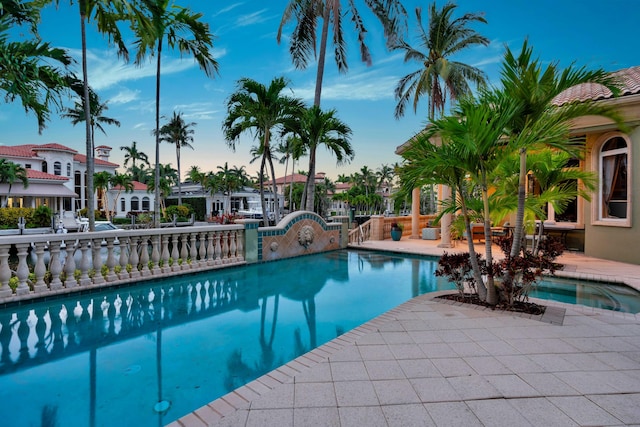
(590, 33)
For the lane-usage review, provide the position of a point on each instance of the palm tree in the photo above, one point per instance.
(228, 182)
(31, 71)
(11, 172)
(524, 79)
(102, 182)
(133, 154)
(307, 13)
(438, 74)
(255, 107)
(106, 14)
(77, 115)
(169, 177)
(180, 133)
(121, 182)
(314, 128)
(160, 19)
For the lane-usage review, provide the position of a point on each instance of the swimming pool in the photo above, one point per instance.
(149, 354)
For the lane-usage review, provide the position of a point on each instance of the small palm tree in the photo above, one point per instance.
(97, 109)
(9, 173)
(121, 182)
(102, 182)
(179, 133)
(134, 155)
(316, 127)
(438, 73)
(261, 109)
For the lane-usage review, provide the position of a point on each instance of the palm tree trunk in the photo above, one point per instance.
(518, 231)
(262, 199)
(311, 179)
(156, 202)
(179, 180)
(91, 213)
(323, 52)
(293, 168)
(275, 189)
(492, 297)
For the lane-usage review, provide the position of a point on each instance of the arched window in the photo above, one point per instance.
(68, 169)
(123, 206)
(57, 168)
(45, 167)
(614, 182)
(135, 203)
(145, 203)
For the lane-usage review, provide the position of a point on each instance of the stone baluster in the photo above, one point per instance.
(40, 269)
(210, 252)
(111, 260)
(184, 254)
(218, 248)
(55, 267)
(23, 269)
(240, 243)
(174, 252)
(144, 257)
(202, 254)
(133, 257)
(5, 272)
(165, 253)
(225, 247)
(85, 263)
(96, 246)
(155, 254)
(70, 267)
(123, 261)
(193, 253)
(233, 257)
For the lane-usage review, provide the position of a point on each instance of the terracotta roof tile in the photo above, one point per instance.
(34, 174)
(137, 185)
(53, 146)
(629, 79)
(17, 151)
(83, 159)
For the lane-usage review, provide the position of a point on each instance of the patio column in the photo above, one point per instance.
(415, 214)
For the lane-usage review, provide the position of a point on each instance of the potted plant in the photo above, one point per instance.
(396, 231)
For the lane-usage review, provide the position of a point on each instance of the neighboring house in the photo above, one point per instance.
(246, 199)
(608, 225)
(137, 200)
(57, 175)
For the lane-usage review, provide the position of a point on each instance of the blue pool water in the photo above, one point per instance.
(147, 355)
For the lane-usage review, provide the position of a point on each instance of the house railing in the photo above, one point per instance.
(360, 233)
(57, 263)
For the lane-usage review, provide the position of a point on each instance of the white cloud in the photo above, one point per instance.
(125, 96)
(365, 86)
(251, 18)
(228, 8)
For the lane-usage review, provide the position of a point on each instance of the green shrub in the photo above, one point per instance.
(9, 217)
(181, 211)
(42, 216)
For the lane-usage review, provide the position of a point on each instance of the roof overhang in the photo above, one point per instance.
(36, 190)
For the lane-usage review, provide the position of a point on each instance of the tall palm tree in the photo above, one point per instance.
(261, 109)
(158, 21)
(106, 14)
(133, 154)
(229, 182)
(525, 79)
(179, 133)
(97, 109)
(11, 172)
(316, 127)
(438, 73)
(307, 13)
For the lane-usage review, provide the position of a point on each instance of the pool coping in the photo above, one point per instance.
(242, 397)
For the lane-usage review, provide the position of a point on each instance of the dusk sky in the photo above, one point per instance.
(590, 33)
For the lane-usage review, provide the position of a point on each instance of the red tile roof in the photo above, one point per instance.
(53, 146)
(629, 79)
(83, 159)
(34, 174)
(137, 185)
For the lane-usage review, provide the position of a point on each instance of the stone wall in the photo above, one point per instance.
(300, 233)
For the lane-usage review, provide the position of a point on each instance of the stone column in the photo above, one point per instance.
(445, 221)
(415, 214)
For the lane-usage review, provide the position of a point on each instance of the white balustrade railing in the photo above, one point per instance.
(35, 265)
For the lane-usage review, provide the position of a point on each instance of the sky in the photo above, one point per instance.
(589, 33)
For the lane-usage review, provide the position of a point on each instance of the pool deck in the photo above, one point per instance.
(428, 363)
